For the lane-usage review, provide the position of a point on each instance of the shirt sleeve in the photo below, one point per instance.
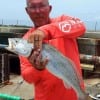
(68, 27)
(28, 72)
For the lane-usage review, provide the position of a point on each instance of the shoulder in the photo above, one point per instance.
(61, 18)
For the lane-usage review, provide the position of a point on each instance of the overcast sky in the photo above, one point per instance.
(84, 9)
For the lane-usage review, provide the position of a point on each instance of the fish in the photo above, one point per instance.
(58, 65)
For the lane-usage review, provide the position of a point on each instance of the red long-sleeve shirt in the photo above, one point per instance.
(61, 33)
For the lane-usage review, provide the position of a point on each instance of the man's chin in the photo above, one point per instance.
(40, 23)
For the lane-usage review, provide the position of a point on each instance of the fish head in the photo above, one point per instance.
(19, 46)
(13, 42)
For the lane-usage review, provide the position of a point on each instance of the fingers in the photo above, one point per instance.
(36, 38)
(37, 42)
(44, 63)
(37, 61)
(41, 63)
(36, 58)
(31, 38)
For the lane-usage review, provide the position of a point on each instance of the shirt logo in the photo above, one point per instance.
(65, 26)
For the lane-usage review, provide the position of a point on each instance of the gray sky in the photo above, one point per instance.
(84, 9)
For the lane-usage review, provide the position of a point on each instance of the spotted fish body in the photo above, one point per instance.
(59, 65)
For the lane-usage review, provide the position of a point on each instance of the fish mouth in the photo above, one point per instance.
(11, 45)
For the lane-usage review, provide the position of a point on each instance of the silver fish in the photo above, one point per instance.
(59, 65)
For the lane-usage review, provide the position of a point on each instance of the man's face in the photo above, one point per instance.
(38, 10)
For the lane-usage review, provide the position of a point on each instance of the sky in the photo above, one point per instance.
(87, 10)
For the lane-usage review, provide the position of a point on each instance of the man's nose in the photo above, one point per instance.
(37, 10)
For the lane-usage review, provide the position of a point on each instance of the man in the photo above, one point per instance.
(61, 32)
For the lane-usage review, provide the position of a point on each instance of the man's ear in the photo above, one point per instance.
(50, 8)
(26, 10)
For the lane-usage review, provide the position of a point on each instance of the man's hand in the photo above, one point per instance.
(36, 58)
(36, 38)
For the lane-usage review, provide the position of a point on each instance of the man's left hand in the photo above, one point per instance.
(36, 58)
